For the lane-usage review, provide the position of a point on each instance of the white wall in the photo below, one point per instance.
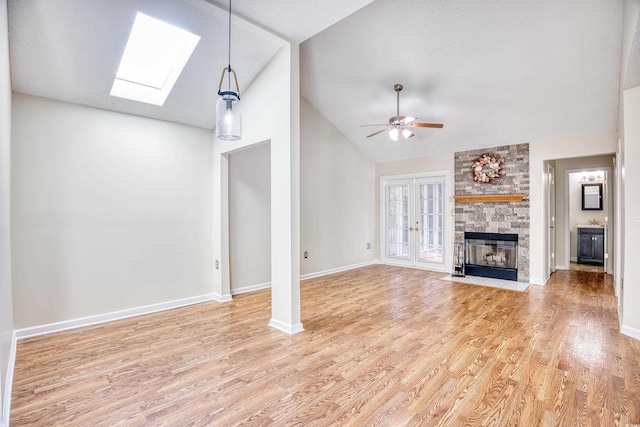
(337, 201)
(109, 211)
(250, 217)
(271, 112)
(6, 300)
(579, 146)
(631, 290)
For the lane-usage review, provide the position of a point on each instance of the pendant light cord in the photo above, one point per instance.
(229, 45)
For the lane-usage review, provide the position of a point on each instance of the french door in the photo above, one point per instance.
(415, 224)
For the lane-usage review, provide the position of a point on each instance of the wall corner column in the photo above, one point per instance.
(285, 208)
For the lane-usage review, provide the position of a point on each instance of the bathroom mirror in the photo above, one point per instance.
(592, 197)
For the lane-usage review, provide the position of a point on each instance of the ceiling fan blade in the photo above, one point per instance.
(375, 133)
(426, 125)
(380, 124)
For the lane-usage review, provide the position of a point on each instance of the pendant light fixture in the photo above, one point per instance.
(228, 114)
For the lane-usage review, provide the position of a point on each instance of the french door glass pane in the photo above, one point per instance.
(431, 221)
(398, 221)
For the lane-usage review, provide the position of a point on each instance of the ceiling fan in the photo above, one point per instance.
(400, 125)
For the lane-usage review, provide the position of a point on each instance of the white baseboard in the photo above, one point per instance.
(562, 267)
(267, 285)
(538, 280)
(6, 404)
(251, 288)
(573, 259)
(337, 270)
(285, 327)
(116, 315)
(630, 332)
(219, 298)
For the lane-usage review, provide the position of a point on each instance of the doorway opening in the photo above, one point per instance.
(250, 219)
(588, 219)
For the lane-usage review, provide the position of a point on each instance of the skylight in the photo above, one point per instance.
(154, 57)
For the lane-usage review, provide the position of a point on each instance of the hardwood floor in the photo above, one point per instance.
(586, 267)
(382, 346)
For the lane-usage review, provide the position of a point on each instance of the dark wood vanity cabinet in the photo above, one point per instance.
(591, 246)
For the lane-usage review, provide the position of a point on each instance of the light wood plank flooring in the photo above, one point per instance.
(586, 267)
(382, 346)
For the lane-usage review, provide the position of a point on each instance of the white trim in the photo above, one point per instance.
(413, 175)
(6, 405)
(573, 258)
(551, 218)
(617, 225)
(285, 327)
(562, 267)
(337, 270)
(630, 332)
(538, 280)
(251, 288)
(220, 298)
(115, 315)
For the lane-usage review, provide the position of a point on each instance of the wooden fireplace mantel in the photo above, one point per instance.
(488, 198)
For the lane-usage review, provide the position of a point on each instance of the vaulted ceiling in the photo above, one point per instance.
(497, 72)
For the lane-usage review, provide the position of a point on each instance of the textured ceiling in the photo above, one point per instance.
(70, 50)
(494, 72)
(295, 19)
(632, 73)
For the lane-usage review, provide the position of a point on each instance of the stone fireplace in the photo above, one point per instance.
(491, 213)
(491, 255)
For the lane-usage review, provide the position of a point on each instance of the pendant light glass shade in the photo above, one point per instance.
(228, 117)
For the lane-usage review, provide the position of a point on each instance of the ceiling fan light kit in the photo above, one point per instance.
(400, 125)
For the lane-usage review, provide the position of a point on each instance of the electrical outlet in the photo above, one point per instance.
(368, 245)
(306, 254)
(217, 265)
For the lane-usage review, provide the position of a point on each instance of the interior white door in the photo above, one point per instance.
(415, 224)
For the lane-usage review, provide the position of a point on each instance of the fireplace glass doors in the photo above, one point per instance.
(492, 255)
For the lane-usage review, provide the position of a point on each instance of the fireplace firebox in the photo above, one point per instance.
(492, 255)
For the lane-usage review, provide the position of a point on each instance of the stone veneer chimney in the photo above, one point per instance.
(496, 217)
